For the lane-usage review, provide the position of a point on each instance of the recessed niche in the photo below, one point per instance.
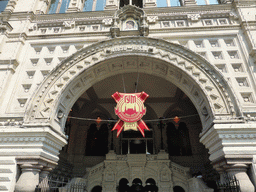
(184, 43)
(38, 50)
(78, 47)
(180, 23)
(65, 48)
(233, 54)
(208, 22)
(31, 74)
(61, 58)
(217, 55)
(34, 61)
(247, 97)
(229, 42)
(222, 67)
(26, 87)
(166, 24)
(22, 101)
(51, 49)
(199, 44)
(203, 54)
(223, 21)
(237, 67)
(48, 61)
(242, 82)
(214, 43)
(45, 73)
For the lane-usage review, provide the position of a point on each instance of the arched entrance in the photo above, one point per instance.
(194, 76)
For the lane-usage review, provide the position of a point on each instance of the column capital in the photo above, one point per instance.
(29, 177)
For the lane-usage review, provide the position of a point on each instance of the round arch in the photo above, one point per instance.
(196, 77)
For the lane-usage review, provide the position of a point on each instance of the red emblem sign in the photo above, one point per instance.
(130, 109)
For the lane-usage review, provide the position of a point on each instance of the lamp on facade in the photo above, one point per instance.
(176, 120)
(98, 120)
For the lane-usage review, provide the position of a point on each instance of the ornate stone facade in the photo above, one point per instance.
(52, 62)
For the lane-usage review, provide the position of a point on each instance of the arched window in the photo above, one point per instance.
(178, 189)
(97, 141)
(150, 186)
(138, 3)
(97, 189)
(137, 185)
(58, 6)
(178, 140)
(123, 185)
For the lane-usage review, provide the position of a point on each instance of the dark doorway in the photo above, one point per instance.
(137, 186)
(97, 189)
(123, 185)
(150, 186)
(178, 189)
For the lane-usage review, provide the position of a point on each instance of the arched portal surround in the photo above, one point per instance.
(196, 77)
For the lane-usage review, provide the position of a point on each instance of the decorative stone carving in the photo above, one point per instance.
(107, 21)
(194, 17)
(69, 24)
(152, 19)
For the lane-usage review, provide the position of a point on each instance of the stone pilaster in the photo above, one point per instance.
(29, 178)
(240, 172)
(44, 177)
(231, 147)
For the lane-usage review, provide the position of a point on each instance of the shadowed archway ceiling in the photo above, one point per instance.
(162, 94)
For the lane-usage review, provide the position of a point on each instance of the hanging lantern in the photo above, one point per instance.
(98, 120)
(176, 120)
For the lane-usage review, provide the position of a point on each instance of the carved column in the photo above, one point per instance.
(44, 177)
(240, 172)
(29, 178)
(231, 148)
(111, 5)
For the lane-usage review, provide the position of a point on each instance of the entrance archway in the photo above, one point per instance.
(197, 78)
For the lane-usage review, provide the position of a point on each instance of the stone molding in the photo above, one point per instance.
(173, 62)
(44, 141)
(230, 143)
